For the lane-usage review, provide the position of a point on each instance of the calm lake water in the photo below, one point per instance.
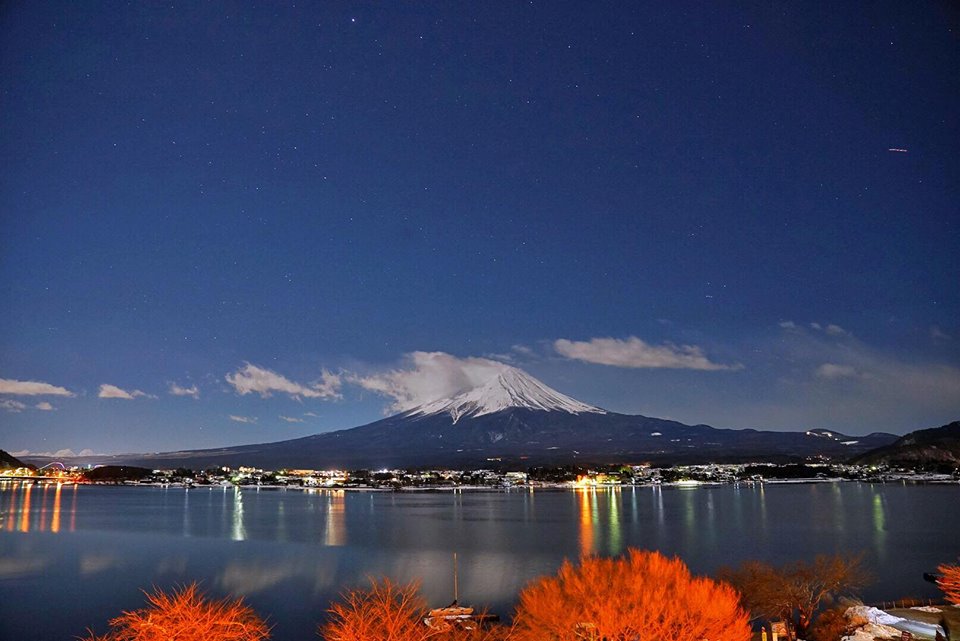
(73, 557)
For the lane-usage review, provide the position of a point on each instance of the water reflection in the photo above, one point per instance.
(186, 512)
(300, 549)
(55, 519)
(26, 513)
(25, 510)
(585, 496)
(336, 525)
(12, 509)
(879, 524)
(238, 532)
(614, 522)
(246, 578)
(73, 510)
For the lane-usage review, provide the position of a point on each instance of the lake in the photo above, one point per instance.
(72, 557)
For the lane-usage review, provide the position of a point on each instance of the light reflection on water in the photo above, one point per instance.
(291, 552)
(34, 507)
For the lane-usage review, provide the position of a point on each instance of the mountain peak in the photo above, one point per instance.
(510, 388)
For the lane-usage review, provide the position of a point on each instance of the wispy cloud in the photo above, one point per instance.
(243, 419)
(251, 379)
(429, 376)
(938, 334)
(836, 330)
(832, 329)
(193, 391)
(877, 384)
(290, 419)
(112, 391)
(31, 388)
(311, 414)
(12, 406)
(832, 371)
(635, 353)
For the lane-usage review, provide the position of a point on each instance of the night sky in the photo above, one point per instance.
(229, 223)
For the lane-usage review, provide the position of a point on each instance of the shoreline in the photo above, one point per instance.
(492, 489)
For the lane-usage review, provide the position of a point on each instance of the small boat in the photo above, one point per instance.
(456, 615)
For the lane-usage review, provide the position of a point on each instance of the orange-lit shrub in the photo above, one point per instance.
(186, 615)
(949, 582)
(643, 595)
(834, 624)
(391, 612)
(385, 612)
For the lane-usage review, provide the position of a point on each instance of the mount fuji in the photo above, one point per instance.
(514, 420)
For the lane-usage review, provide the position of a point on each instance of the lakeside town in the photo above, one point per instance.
(488, 479)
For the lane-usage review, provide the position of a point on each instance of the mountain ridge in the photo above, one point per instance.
(514, 420)
(931, 446)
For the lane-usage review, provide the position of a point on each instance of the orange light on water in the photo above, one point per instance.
(55, 519)
(336, 525)
(586, 521)
(43, 508)
(12, 510)
(25, 510)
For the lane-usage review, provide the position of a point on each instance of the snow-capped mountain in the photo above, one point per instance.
(514, 420)
(511, 388)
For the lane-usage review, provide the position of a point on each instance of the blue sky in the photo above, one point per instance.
(683, 211)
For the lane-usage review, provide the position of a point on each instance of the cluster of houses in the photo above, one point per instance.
(565, 476)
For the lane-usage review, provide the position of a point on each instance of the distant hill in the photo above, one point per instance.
(515, 421)
(116, 473)
(936, 446)
(9, 462)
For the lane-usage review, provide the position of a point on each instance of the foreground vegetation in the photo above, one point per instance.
(641, 595)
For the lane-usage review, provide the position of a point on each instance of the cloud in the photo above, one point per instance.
(64, 453)
(881, 386)
(430, 376)
(252, 379)
(112, 391)
(243, 419)
(831, 329)
(31, 388)
(16, 406)
(938, 334)
(635, 353)
(313, 414)
(832, 371)
(12, 406)
(290, 419)
(193, 391)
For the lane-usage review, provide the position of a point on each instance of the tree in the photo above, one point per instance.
(391, 612)
(949, 582)
(794, 592)
(186, 615)
(643, 595)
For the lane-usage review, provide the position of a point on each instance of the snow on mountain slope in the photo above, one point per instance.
(510, 388)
